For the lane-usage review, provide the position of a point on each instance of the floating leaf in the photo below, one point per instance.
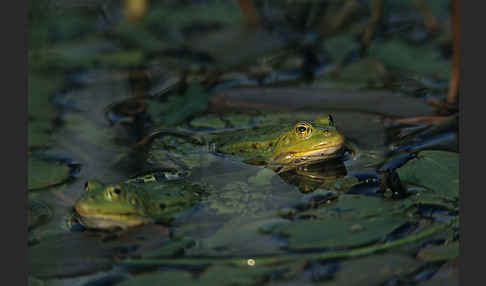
(40, 89)
(448, 275)
(375, 270)
(227, 275)
(208, 121)
(38, 134)
(68, 255)
(358, 206)
(171, 277)
(170, 248)
(177, 108)
(340, 47)
(338, 233)
(43, 174)
(368, 71)
(437, 171)
(244, 236)
(38, 213)
(425, 60)
(121, 58)
(439, 252)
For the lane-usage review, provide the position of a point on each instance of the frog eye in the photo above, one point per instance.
(331, 120)
(303, 129)
(112, 193)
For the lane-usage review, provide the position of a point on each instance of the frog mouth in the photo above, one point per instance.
(109, 220)
(290, 160)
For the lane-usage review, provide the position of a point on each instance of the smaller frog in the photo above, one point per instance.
(131, 203)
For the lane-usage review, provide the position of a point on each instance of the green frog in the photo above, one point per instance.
(248, 192)
(279, 146)
(133, 203)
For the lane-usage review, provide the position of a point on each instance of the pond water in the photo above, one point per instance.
(114, 96)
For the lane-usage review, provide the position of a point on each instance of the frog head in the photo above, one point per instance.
(307, 143)
(110, 206)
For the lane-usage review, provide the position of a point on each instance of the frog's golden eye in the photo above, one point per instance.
(303, 129)
(112, 193)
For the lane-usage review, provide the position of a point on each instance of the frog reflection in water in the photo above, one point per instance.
(130, 203)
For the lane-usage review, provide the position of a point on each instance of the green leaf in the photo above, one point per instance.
(437, 171)
(38, 134)
(43, 174)
(171, 277)
(339, 47)
(375, 270)
(39, 91)
(338, 233)
(424, 60)
(177, 109)
(439, 252)
(358, 206)
(241, 236)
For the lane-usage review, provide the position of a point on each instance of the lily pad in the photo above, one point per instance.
(226, 275)
(437, 171)
(375, 270)
(337, 233)
(339, 47)
(368, 71)
(178, 108)
(171, 277)
(208, 121)
(243, 236)
(40, 89)
(91, 132)
(43, 174)
(424, 60)
(121, 58)
(358, 206)
(38, 213)
(439, 252)
(170, 248)
(448, 275)
(38, 134)
(68, 255)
